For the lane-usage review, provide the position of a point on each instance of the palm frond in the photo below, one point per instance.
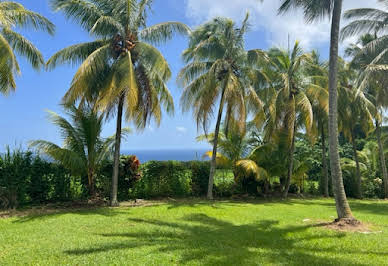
(24, 47)
(163, 32)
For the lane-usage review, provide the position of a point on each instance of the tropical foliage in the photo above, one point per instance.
(120, 68)
(83, 149)
(281, 116)
(219, 75)
(14, 15)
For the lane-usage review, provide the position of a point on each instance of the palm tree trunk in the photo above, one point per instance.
(290, 161)
(325, 169)
(91, 182)
(116, 160)
(358, 172)
(382, 159)
(215, 143)
(342, 205)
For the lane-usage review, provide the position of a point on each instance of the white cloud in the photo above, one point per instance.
(181, 130)
(264, 18)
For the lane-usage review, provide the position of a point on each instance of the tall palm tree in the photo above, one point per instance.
(288, 107)
(370, 21)
(313, 10)
(14, 15)
(355, 111)
(83, 147)
(318, 94)
(374, 84)
(218, 72)
(121, 67)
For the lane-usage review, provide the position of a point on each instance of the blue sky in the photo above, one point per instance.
(23, 117)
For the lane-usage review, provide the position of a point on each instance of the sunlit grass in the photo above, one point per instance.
(197, 232)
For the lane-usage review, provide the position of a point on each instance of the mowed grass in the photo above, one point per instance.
(196, 232)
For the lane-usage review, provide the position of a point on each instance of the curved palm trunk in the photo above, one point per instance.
(325, 169)
(290, 161)
(358, 172)
(342, 205)
(116, 160)
(382, 159)
(215, 143)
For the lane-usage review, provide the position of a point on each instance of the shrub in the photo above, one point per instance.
(28, 179)
(199, 177)
(373, 188)
(14, 173)
(129, 174)
(172, 179)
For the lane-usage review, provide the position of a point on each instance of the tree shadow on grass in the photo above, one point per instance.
(53, 213)
(200, 239)
(193, 203)
(378, 207)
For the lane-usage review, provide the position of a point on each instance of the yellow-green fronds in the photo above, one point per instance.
(221, 160)
(248, 168)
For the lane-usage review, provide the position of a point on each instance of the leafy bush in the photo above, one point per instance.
(129, 174)
(172, 179)
(199, 177)
(373, 188)
(224, 183)
(14, 173)
(28, 179)
(312, 188)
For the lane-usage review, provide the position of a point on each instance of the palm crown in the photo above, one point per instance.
(14, 15)
(122, 61)
(83, 148)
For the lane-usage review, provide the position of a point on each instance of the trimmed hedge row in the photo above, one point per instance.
(171, 179)
(27, 179)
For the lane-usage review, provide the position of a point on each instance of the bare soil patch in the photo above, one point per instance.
(349, 225)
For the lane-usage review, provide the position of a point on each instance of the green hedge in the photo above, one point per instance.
(171, 179)
(27, 179)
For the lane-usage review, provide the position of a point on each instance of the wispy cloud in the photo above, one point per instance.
(181, 130)
(264, 17)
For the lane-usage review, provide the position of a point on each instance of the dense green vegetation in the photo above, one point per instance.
(287, 124)
(196, 232)
(277, 111)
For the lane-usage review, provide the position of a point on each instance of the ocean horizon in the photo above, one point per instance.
(167, 154)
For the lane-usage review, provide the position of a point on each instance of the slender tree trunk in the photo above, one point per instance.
(382, 159)
(116, 160)
(290, 164)
(91, 183)
(358, 172)
(215, 143)
(290, 153)
(325, 169)
(342, 205)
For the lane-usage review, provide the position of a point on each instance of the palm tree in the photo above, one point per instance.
(355, 111)
(370, 21)
(313, 10)
(121, 66)
(14, 15)
(318, 94)
(232, 145)
(83, 147)
(288, 108)
(218, 71)
(373, 83)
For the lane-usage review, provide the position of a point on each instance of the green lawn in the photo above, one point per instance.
(197, 233)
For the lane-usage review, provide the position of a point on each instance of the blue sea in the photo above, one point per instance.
(159, 155)
(167, 155)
